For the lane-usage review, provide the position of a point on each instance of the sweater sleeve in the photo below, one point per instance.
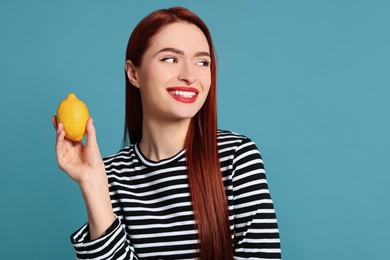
(256, 229)
(113, 244)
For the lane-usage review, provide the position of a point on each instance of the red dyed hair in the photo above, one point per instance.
(205, 179)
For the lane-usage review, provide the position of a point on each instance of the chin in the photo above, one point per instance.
(186, 112)
(184, 116)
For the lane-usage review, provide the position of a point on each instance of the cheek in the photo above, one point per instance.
(206, 80)
(156, 76)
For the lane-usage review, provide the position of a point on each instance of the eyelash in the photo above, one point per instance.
(203, 63)
(174, 59)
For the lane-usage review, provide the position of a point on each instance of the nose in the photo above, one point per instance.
(186, 73)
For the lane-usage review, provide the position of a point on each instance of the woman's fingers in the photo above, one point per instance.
(60, 137)
(92, 146)
(91, 134)
(60, 141)
(59, 132)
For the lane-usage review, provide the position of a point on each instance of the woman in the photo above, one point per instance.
(182, 188)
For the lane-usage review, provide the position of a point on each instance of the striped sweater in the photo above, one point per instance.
(153, 207)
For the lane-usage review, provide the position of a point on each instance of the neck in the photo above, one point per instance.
(163, 140)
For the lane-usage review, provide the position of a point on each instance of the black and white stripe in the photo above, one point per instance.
(153, 207)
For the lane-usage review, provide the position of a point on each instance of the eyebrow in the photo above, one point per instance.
(178, 51)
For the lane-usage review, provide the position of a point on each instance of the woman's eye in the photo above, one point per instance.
(203, 63)
(169, 60)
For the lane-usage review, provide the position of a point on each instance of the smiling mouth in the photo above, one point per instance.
(185, 94)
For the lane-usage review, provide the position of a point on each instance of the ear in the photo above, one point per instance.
(131, 72)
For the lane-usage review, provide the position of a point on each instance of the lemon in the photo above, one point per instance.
(73, 114)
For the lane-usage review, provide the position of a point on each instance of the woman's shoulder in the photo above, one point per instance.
(237, 151)
(235, 141)
(124, 154)
(230, 136)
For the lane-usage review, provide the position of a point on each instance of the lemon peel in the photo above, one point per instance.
(73, 114)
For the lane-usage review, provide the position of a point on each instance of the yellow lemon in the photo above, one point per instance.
(73, 114)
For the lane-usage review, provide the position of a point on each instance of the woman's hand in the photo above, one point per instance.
(81, 162)
(84, 164)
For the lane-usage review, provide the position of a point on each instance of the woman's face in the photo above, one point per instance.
(174, 76)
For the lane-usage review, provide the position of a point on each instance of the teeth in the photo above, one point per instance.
(185, 94)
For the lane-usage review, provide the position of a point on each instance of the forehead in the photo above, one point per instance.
(182, 35)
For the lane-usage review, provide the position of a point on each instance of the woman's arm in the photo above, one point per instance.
(113, 244)
(103, 237)
(84, 164)
(256, 228)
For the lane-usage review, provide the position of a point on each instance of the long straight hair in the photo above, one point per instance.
(206, 187)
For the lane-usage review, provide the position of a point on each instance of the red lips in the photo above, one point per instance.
(184, 94)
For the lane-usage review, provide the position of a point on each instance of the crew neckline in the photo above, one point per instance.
(149, 162)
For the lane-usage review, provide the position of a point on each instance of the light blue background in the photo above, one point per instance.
(309, 81)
